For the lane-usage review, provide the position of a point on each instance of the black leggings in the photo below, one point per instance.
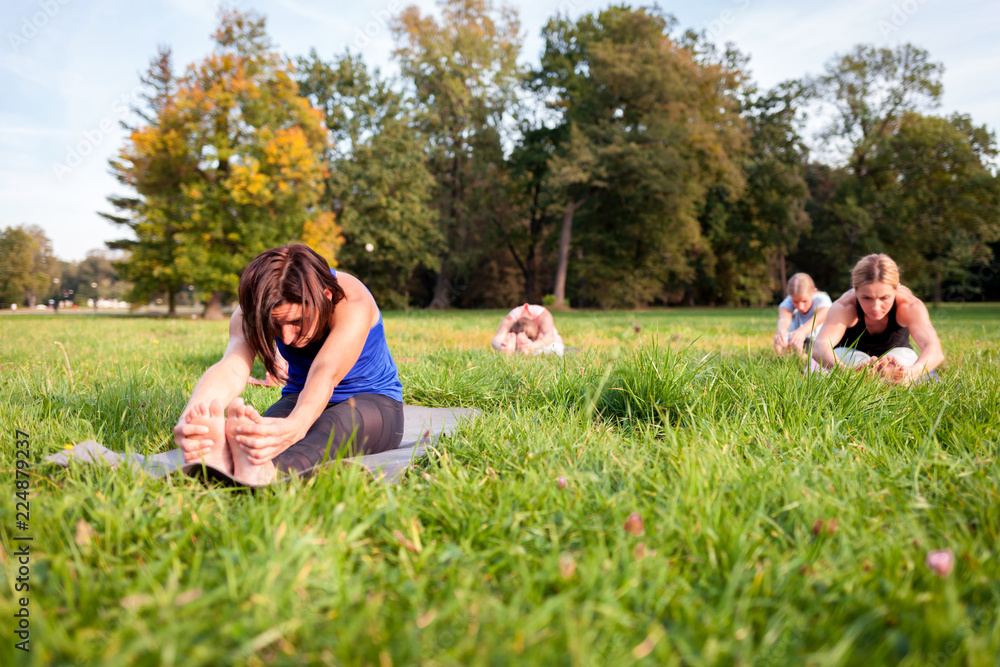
(375, 422)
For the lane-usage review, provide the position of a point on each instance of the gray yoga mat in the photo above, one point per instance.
(421, 427)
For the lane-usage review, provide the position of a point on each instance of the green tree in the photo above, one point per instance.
(156, 172)
(536, 205)
(27, 265)
(232, 165)
(870, 89)
(915, 186)
(378, 175)
(652, 128)
(752, 235)
(464, 72)
(938, 200)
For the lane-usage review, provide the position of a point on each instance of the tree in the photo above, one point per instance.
(939, 202)
(464, 72)
(870, 89)
(156, 214)
(27, 265)
(94, 277)
(537, 200)
(378, 175)
(752, 235)
(652, 127)
(231, 165)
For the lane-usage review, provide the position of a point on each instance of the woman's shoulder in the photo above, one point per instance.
(353, 288)
(906, 297)
(355, 292)
(907, 302)
(822, 300)
(848, 298)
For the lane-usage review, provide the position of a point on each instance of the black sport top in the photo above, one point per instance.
(876, 344)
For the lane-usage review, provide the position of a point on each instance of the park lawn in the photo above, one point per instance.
(786, 518)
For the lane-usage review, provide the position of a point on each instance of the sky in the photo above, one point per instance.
(70, 68)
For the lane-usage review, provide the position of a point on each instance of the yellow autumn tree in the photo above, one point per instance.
(323, 234)
(233, 158)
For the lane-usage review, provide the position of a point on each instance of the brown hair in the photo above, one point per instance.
(875, 269)
(526, 325)
(292, 274)
(800, 284)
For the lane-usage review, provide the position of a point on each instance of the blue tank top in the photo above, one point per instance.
(374, 372)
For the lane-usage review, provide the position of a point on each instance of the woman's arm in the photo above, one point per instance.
(502, 332)
(784, 323)
(224, 380)
(840, 316)
(546, 332)
(349, 328)
(798, 337)
(913, 314)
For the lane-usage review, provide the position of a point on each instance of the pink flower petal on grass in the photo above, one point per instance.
(633, 524)
(941, 562)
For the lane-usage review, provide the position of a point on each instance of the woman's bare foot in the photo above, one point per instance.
(211, 417)
(243, 471)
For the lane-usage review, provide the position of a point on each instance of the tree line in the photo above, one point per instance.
(31, 275)
(634, 164)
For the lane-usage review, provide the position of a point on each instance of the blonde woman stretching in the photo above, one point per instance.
(870, 326)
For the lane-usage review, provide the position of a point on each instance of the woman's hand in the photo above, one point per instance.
(890, 370)
(264, 438)
(509, 343)
(798, 338)
(523, 343)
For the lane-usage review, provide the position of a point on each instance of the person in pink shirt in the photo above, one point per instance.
(528, 329)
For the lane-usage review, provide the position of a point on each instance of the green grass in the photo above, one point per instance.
(729, 455)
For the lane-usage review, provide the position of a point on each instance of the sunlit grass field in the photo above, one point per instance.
(786, 518)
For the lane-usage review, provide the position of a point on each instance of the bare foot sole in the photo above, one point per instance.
(211, 417)
(244, 471)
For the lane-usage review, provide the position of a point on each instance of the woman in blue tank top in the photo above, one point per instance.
(871, 324)
(321, 332)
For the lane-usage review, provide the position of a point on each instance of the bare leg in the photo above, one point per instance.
(244, 471)
(210, 415)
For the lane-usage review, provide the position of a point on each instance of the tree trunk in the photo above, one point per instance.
(937, 290)
(564, 236)
(172, 303)
(534, 234)
(442, 289)
(213, 309)
(783, 269)
(529, 278)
